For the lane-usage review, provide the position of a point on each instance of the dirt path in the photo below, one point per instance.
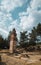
(16, 60)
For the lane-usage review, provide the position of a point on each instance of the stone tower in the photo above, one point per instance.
(12, 41)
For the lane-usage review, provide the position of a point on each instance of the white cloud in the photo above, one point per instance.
(35, 4)
(13, 24)
(4, 32)
(5, 16)
(23, 13)
(5, 19)
(32, 16)
(26, 22)
(2, 25)
(28, 18)
(11, 4)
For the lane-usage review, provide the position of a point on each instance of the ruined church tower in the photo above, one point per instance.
(12, 41)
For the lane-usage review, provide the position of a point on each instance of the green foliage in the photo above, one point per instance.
(33, 36)
(3, 43)
(36, 31)
(23, 39)
(39, 29)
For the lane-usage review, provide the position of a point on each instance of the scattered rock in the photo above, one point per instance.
(40, 59)
(25, 55)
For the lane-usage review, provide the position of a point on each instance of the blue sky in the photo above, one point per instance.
(19, 14)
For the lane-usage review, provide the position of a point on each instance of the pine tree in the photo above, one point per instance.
(23, 39)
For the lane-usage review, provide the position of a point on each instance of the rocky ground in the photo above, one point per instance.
(29, 58)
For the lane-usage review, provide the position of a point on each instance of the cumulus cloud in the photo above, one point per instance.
(32, 16)
(2, 31)
(11, 4)
(35, 4)
(5, 19)
(5, 16)
(13, 24)
(26, 20)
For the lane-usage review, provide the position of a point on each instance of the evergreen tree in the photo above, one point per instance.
(39, 29)
(23, 39)
(33, 37)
